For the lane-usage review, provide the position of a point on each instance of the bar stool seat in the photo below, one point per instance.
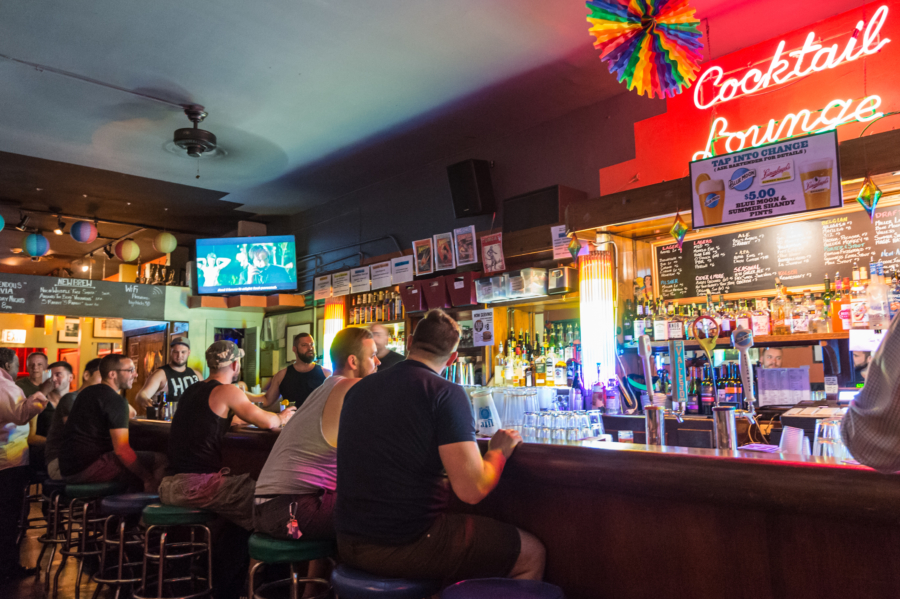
(269, 550)
(92, 490)
(349, 583)
(279, 551)
(49, 487)
(502, 588)
(126, 537)
(159, 514)
(127, 504)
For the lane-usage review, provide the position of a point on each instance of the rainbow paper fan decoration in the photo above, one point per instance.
(652, 46)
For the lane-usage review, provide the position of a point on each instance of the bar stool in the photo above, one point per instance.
(163, 519)
(502, 588)
(26, 522)
(84, 541)
(355, 584)
(269, 550)
(123, 511)
(57, 517)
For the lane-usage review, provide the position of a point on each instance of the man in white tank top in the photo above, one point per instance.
(299, 479)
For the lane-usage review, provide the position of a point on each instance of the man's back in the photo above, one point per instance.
(390, 476)
(195, 439)
(86, 435)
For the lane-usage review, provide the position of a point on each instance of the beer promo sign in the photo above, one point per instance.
(796, 175)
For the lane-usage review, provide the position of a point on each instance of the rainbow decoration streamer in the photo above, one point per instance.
(868, 197)
(678, 230)
(652, 46)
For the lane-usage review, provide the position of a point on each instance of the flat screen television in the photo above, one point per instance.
(235, 265)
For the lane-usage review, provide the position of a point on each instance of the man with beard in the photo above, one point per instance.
(195, 477)
(297, 381)
(173, 379)
(95, 444)
(61, 377)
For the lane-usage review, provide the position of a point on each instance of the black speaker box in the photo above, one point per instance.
(470, 188)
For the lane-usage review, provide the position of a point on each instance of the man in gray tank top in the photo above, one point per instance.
(299, 479)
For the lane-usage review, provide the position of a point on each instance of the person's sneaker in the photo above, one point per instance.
(17, 572)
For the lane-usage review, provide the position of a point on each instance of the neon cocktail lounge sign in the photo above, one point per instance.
(809, 59)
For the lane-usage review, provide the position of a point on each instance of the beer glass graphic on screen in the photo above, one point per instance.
(816, 180)
(712, 200)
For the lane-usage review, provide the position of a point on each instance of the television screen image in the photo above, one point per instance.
(246, 265)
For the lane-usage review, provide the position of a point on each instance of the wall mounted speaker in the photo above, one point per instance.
(470, 188)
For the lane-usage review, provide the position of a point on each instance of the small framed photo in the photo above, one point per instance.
(424, 256)
(465, 245)
(70, 331)
(443, 252)
(108, 327)
(290, 333)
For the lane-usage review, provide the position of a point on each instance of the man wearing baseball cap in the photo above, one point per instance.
(195, 476)
(174, 378)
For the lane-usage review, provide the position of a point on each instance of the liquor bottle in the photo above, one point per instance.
(687, 318)
(834, 305)
(846, 307)
(660, 324)
(724, 318)
(676, 324)
(743, 316)
(500, 367)
(509, 371)
(693, 392)
(759, 317)
(707, 393)
(578, 390)
(528, 365)
(877, 299)
(628, 323)
(799, 317)
(613, 400)
(781, 315)
(559, 371)
(638, 324)
(540, 369)
(822, 321)
(598, 393)
(859, 317)
(721, 383)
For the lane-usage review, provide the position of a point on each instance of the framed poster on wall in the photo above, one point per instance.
(108, 327)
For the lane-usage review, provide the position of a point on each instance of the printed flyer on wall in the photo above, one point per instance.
(787, 177)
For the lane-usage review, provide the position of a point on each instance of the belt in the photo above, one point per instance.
(261, 499)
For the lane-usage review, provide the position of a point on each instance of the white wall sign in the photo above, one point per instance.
(323, 287)
(359, 279)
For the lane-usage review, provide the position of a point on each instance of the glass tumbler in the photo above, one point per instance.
(546, 419)
(530, 427)
(828, 442)
(559, 428)
(544, 435)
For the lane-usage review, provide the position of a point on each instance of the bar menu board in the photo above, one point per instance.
(27, 294)
(800, 252)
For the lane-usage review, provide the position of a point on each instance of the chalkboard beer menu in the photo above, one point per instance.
(27, 294)
(800, 253)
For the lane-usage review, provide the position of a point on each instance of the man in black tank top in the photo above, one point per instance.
(173, 379)
(193, 477)
(304, 376)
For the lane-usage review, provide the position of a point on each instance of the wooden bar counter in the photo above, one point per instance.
(630, 521)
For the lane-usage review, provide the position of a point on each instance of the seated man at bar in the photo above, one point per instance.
(871, 426)
(173, 378)
(15, 411)
(302, 466)
(298, 380)
(91, 376)
(400, 430)
(195, 478)
(95, 437)
(386, 357)
(772, 357)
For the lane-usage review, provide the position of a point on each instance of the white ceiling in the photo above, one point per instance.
(296, 87)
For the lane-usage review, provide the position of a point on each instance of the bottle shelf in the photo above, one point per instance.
(765, 340)
(761, 340)
(385, 323)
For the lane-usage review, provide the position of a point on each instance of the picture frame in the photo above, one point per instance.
(444, 255)
(423, 252)
(104, 349)
(71, 331)
(291, 331)
(465, 246)
(110, 328)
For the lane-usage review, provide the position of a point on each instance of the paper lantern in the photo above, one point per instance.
(2, 223)
(650, 45)
(83, 231)
(36, 245)
(127, 250)
(165, 243)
